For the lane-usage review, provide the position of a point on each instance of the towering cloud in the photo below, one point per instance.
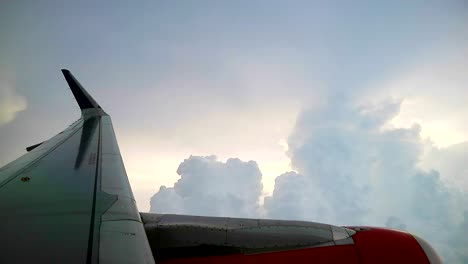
(210, 187)
(350, 170)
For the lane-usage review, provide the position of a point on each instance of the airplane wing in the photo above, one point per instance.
(68, 200)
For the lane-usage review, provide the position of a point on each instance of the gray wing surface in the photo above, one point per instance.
(68, 200)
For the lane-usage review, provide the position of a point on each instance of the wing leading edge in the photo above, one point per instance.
(68, 200)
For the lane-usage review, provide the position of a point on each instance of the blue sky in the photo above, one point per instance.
(378, 88)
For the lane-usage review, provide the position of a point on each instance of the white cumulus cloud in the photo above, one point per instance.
(211, 187)
(349, 169)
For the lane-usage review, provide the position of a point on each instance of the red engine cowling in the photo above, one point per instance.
(380, 245)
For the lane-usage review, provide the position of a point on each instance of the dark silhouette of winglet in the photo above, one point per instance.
(84, 100)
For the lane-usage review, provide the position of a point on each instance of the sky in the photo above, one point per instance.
(344, 112)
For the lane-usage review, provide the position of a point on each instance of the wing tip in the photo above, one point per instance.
(84, 100)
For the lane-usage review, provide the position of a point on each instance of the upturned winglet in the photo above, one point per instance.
(84, 100)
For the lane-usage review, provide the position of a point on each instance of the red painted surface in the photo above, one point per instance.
(332, 254)
(379, 245)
